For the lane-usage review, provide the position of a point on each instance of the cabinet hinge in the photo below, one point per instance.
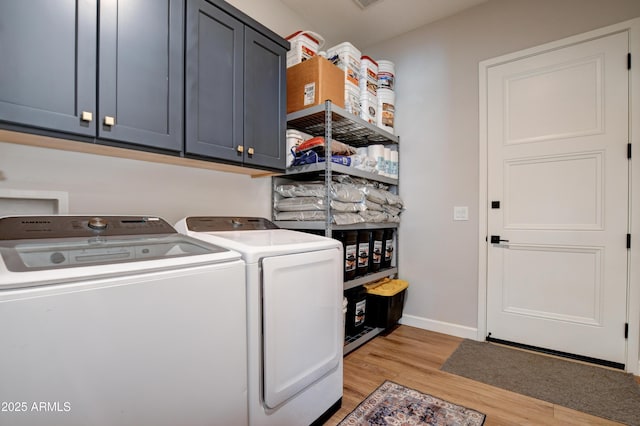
(628, 241)
(628, 61)
(629, 150)
(626, 330)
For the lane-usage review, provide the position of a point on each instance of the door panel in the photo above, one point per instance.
(565, 99)
(557, 136)
(302, 321)
(48, 65)
(571, 184)
(141, 72)
(265, 101)
(533, 272)
(214, 89)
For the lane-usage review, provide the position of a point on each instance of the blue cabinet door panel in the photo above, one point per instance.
(48, 64)
(264, 101)
(141, 72)
(214, 82)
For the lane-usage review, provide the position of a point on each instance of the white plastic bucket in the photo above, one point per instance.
(304, 45)
(376, 152)
(368, 76)
(386, 109)
(387, 162)
(386, 74)
(294, 138)
(352, 99)
(368, 107)
(393, 172)
(347, 58)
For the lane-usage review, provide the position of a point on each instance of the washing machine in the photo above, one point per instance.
(295, 320)
(119, 320)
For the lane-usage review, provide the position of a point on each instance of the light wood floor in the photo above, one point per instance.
(412, 357)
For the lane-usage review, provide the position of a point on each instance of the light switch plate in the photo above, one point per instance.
(461, 213)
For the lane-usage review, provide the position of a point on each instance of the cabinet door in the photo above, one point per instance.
(141, 72)
(214, 84)
(48, 64)
(265, 97)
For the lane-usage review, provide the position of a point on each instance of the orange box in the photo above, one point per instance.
(312, 82)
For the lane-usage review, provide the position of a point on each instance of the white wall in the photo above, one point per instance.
(107, 185)
(437, 120)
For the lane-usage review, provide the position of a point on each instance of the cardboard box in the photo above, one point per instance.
(312, 82)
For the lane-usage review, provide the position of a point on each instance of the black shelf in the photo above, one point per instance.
(354, 342)
(345, 127)
(320, 225)
(318, 169)
(369, 278)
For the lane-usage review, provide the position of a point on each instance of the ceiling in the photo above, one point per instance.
(344, 20)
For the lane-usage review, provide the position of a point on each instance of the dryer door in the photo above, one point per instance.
(302, 314)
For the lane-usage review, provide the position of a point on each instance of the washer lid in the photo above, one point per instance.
(46, 249)
(256, 244)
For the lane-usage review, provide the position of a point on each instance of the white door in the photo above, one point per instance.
(557, 164)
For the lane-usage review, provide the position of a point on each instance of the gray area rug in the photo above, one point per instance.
(599, 391)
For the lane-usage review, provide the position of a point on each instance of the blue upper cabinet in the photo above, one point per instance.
(235, 97)
(48, 64)
(49, 77)
(265, 101)
(113, 72)
(141, 72)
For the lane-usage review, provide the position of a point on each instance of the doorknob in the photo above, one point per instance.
(495, 239)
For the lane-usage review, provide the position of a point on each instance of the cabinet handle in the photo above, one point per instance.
(86, 116)
(250, 151)
(240, 148)
(109, 121)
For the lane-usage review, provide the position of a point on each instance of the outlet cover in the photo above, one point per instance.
(461, 213)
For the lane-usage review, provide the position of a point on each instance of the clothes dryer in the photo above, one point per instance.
(119, 321)
(295, 320)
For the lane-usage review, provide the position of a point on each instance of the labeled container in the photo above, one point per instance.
(347, 57)
(349, 240)
(312, 82)
(393, 165)
(387, 259)
(364, 238)
(368, 76)
(376, 253)
(352, 99)
(356, 310)
(294, 138)
(376, 152)
(386, 109)
(386, 74)
(385, 302)
(304, 46)
(369, 108)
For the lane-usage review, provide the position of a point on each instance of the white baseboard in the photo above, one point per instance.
(440, 327)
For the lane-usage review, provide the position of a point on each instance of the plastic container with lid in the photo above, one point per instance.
(349, 240)
(304, 45)
(387, 248)
(356, 310)
(364, 238)
(385, 302)
(376, 252)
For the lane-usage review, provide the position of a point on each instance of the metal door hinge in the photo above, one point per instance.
(628, 241)
(629, 150)
(628, 61)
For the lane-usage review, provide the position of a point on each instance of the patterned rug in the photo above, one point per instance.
(394, 404)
